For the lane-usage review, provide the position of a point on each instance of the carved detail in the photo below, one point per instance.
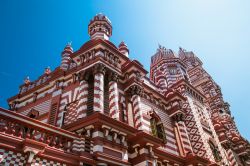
(135, 90)
(99, 68)
(83, 75)
(178, 117)
(113, 77)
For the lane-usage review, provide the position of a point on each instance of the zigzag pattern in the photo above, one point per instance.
(194, 135)
(66, 98)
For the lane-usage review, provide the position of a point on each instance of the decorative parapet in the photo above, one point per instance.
(37, 138)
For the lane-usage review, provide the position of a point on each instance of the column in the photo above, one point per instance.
(83, 95)
(135, 92)
(113, 96)
(99, 70)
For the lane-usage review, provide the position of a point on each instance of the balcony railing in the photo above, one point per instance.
(22, 127)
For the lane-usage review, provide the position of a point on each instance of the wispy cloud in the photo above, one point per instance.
(5, 74)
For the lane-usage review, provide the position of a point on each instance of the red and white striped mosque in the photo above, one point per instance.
(99, 108)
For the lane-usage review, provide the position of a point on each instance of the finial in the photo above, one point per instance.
(159, 46)
(47, 70)
(69, 43)
(27, 80)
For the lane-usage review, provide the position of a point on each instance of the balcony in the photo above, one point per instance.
(26, 135)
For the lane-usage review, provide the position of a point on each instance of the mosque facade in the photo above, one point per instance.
(101, 108)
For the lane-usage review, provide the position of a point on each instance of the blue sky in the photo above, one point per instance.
(34, 32)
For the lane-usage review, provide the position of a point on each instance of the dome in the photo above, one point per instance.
(100, 17)
(93, 42)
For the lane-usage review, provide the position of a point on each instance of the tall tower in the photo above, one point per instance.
(170, 72)
(166, 68)
(100, 27)
(234, 144)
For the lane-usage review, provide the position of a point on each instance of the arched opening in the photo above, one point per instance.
(215, 151)
(157, 128)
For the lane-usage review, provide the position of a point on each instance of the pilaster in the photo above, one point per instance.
(99, 71)
(136, 92)
(113, 96)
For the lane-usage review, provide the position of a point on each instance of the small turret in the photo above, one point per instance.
(100, 27)
(27, 80)
(123, 48)
(66, 57)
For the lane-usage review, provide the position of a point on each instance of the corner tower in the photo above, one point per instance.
(100, 27)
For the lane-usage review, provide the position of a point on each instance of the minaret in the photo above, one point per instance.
(65, 57)
(100, 27)
(123, 48)
(166, 68)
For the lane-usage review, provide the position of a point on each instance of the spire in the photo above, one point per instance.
(123, 48)
(100, 27)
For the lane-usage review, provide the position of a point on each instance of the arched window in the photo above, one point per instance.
(157, 128)
(215, 151)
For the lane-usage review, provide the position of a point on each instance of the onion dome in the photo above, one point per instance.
(123, 48)
(100, 27)
(27, 81)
